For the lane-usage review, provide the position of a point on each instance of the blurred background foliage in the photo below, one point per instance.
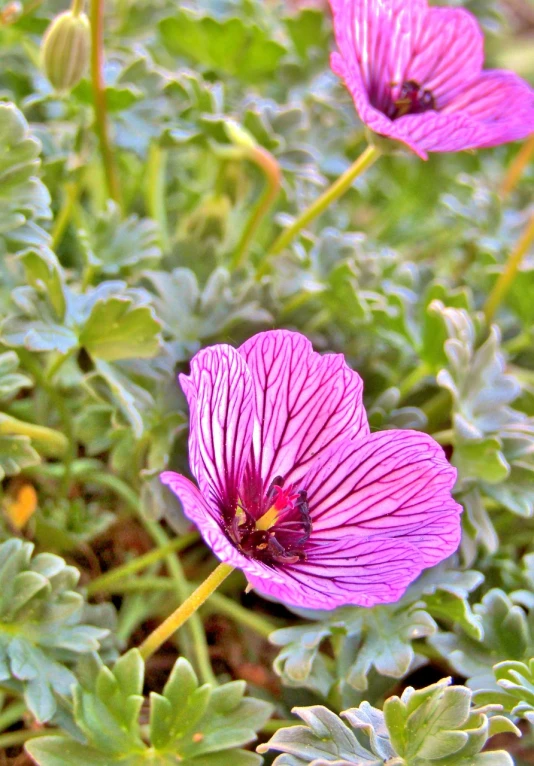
(105, 294)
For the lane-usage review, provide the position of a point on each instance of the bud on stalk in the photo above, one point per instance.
(65, 49)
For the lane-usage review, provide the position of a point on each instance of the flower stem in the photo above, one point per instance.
(413, 379)
(54, 443)
(14, 738)
(155, 191)
(12, 714)
(273, 176)
(77, 7)
(99, 98)
(338, 188)
(517, 167)
(506, 278)
(72, 192)
(158, 637)
(117, 574)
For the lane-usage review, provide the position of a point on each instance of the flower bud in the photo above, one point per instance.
(65, 50)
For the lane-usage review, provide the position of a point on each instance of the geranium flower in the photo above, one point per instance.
(415, 74)
(293, 488)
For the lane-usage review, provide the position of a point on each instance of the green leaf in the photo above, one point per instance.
(42, 628)
(23, 198)
(11, 381)
(436, 724)
(117, 328)
(16, 453)
(232, 46)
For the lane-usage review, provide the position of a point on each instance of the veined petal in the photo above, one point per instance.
(502, 102)
(346, 571)
(209, 522)
(392, 484)
(438, 132)
(376, 38)
(305, 403)
(220, 395)
(447, 53)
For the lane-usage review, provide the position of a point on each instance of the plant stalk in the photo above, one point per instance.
(334, 192)
(507, 277)
(273, 177)
(517, 167)
(54, 442)
(162, 633)
(99, 98)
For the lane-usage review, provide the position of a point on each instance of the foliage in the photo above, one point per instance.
(188, 723)
(105, 295)
(432, 725)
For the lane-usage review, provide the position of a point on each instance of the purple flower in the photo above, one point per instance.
(295, 490)
(415, 74)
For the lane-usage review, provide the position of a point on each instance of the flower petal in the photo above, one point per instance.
(346, 571)
(375, 39)
(502, 102)
(305, 403)
(393, 484)
(208, 520)
(220, 396)
(447, 53)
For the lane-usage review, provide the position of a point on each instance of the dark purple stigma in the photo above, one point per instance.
(412, 99)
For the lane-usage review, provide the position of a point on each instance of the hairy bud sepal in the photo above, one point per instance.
(65, 50)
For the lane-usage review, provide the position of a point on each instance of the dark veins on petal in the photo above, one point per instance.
(271, 526)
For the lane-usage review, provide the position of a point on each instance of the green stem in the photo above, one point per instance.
(413, 379)
(273, 177)
(99, 98)
(72, 192)
(194, 635)
(14, 738)
(77, 7)
(180, 616)
(155, 191)
(509, 274)
(104, 582)
(444, 437)
(12, 714)
(53, 442)
(517, 167)
(338, 188)
(217, 602)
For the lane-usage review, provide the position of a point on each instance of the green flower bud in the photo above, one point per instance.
(65, 50)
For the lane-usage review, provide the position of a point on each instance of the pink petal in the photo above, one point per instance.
(438, 132)
(220, 396)
(375, 39)
(346, 571)
(305, 403)
(209, 522)
(502, 102)
(393, 484)
(447, 53)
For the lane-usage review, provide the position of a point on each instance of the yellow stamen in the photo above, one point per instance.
(268, 519)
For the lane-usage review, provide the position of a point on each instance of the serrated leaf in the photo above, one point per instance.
(11, 381)
(117, 329)
(16, 453)
(232, 46)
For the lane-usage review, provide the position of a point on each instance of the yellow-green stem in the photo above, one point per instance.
(413, 379)
(72, 192)
(273, 177)
(517, 167)
(99, 98)
(167, 628)
(444, 437)
(155, 191)
(104, 582)
(54, 443)
(77, 7)
(334, 192)
(506, 278)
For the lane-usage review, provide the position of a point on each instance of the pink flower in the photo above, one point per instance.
(415, 74)
(295, 490)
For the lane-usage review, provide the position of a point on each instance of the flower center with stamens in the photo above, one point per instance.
(412, 99)
(279, 533)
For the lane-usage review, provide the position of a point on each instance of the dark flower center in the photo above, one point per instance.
(273, 528)
(412, 99)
